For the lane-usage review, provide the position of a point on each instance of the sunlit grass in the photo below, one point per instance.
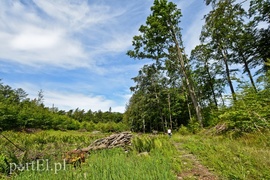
(247, 157)
(157, 163)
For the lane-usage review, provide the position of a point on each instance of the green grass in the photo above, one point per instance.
(111, 164)
(246, 157)
(158, 163)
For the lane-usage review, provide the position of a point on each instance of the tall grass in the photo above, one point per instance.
(247, 157)
(42, 145)
(109, 164)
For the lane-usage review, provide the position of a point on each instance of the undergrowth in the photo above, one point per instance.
(246, 157)
(147, 158)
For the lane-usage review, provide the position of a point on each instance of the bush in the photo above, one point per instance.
(183, 130)
(194, 127)
(250, 112)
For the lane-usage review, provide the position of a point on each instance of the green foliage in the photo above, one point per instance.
(157, 102)
(20, 113)
(241, 158)
(194, 127)
(103, 164)
(231, 36)
(145, 144)
(153, 144)
(183, 130)
(250, 112)
(4, 165)
(111, 127)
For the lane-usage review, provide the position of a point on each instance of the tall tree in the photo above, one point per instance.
(219, 31)
(203, 70)
(149, 82)
(259, 16)
(160, 36)
(244, 48)
(259, 12)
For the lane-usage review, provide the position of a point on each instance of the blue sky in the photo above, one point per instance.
(75, 50)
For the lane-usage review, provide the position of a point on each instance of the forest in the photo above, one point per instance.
(216, 101)
(17, 112)
(225, 79)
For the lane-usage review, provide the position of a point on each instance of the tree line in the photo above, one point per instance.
(18, 112)
(176, 89)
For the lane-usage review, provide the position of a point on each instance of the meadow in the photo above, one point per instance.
(149, 156)
(230, 156)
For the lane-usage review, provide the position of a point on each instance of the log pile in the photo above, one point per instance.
(115, 140)
(77, 156)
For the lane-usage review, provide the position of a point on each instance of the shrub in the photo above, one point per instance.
(183, 130)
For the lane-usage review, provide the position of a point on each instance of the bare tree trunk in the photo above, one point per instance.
(249, 73)
(211, 84)
(190, 86)
(143, 125)
(225, 60)
(189, 112)
(166, 125)
(169, 103)
(159, 108)
(223, 102)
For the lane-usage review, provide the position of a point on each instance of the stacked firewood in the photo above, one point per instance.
(77, 156)
(115, 140)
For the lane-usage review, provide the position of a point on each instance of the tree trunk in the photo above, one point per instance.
(211, 84)
(249, 73)
(169, 103)
(159, 108)
(189, 112)
(225, 60)
(223, 102)
(187, 79)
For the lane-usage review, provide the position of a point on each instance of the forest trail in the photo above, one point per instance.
(193, 169)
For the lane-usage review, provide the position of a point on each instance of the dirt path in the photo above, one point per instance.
(193, 169)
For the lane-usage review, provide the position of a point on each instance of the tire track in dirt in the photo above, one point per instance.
(197, 170)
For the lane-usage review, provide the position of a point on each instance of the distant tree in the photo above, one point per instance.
(22, 95)
(40, 98)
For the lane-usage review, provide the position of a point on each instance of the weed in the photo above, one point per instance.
(246, 157)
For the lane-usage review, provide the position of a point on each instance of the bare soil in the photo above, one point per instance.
(193, 169)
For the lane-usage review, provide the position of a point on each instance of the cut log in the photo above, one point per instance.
(77, 156)
(115, 140)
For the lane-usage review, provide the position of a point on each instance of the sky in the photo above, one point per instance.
(75, 50)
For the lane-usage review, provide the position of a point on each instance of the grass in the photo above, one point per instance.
(245, 157)
(157, 163)
(111, 164)
(149, 157)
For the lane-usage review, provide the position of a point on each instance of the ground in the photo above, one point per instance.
(193, 169)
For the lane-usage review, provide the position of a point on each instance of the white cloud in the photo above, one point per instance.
(65, 100)
(184, 4)
(32, 38)
(118, 43)
(74, 100)
(191, 36)
(59, 33)
(74, 34)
